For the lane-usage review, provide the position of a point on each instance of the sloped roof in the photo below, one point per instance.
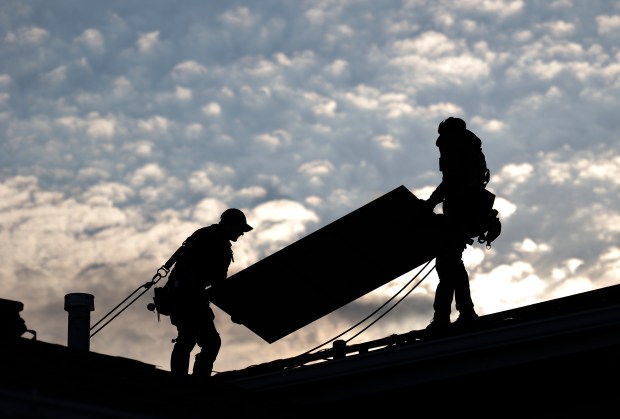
(43, 380)
(553, 359)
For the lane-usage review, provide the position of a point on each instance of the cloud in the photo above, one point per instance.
(187, 69)
(281, 221)
(147, 42)
(608, 24)
(239, 17)
(27, 35)
(92, 39)
(212, 109)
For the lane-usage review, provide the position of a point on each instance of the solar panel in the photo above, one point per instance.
(330, 267)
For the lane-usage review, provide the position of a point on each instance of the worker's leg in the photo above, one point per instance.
(210, 342)
(184, 343)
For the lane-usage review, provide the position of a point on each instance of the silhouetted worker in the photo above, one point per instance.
(202, 263)
(464, 179)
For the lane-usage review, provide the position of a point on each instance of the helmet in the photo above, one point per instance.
(235, 217)
(451, 126)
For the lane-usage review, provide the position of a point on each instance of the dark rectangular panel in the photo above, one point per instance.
(330, 267)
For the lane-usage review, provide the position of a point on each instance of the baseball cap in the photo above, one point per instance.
(234, 216)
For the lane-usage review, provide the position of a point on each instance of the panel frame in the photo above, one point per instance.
(331, 267)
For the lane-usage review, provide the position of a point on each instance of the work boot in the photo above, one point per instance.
(466, 319)
(202, 367)
(439, 323)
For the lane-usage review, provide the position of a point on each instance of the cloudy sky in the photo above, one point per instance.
(126, 125)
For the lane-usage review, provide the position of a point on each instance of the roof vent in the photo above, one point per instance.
(79, 306)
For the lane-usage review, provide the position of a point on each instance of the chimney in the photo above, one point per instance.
(12, 326)
(79, 306)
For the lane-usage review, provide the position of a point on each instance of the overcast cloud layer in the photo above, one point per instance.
(126, 125)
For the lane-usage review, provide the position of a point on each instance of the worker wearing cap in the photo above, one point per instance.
(202, 263)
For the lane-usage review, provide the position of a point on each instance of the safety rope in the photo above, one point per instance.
(161, 273)
(394, 306)
(378, 309)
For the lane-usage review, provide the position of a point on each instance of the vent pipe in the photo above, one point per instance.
(339, 348)
(79, 306)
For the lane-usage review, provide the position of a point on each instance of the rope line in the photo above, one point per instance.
(393, 307)
(161, 273)
(147, 286)
(374, 312)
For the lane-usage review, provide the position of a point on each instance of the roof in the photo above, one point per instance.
(40, 379)
(551, 359)
(522, 357)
